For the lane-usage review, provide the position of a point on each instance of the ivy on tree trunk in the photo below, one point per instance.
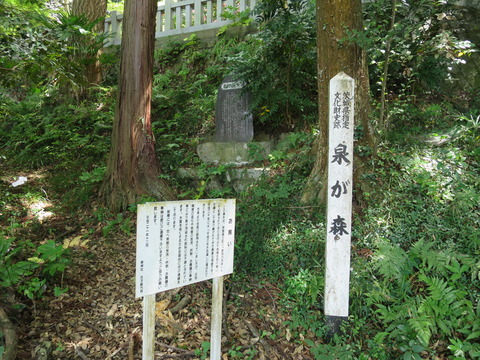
(133, 169)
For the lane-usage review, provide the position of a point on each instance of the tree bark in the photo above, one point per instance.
(10, 338)
(93, 10)
(133, 168)
(334, 54)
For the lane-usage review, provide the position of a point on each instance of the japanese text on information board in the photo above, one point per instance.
(183, 242)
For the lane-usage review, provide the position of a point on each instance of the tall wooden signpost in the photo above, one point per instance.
(339, 203)
(181, 243)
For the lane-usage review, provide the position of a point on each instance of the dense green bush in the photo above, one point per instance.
(272, 226)
(37, 132)
(278, 65)
(423, 49)
(66, 136)
(26, 268)
(41, 51)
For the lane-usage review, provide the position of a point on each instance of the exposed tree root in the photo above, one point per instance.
(10, 337)
(181, 304)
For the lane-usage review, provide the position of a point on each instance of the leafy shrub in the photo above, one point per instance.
(424, 295)
(271, 225)
(74, 139)
(29, 274)
(37, 133)
(278, 65)
(421, 284)
(422, 47)
(41, 52)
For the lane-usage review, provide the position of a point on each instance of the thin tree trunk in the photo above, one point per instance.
(381, 119)
(10, 337)
(133, 169)
(93, 10)
(335, 53)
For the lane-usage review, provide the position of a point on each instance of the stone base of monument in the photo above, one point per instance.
(236, 178)
(234, 153)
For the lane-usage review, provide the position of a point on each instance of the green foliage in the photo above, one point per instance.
(304, 287)
(271, 224)
(122, 222)
(74, 139)
(421, 285)
(464, 349)
(278, 65)
(467, 133)
(202, 352)
(38, 133)
(426, 291)
(94, 176)
(238, 18)
(30, 275)
(40, 51)
(422, 46)
(330, 352)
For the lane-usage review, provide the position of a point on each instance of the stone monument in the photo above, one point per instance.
(233, 120)
(233, 128)
(233, 141)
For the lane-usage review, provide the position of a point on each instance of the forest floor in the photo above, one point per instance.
(98, 317)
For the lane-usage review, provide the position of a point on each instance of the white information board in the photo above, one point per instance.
(339, 203)
(183, 242)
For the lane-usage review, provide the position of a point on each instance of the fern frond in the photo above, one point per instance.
(428, 259)
(380, 338)
(391, 261)
(422, 327)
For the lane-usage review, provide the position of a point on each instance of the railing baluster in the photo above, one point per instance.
(188, 16)
(178, 16)
(106, 29)
(197, 8)
(158, 24)
(168, 15)
(113, 26)
(209, 11)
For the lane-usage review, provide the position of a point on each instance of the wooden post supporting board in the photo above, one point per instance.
(148, 342)
(216, 326)
(181, 243)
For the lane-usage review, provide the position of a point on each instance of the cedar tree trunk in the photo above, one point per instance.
(133, 169)
(335, 54)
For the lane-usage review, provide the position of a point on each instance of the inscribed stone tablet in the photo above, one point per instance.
(233, 120)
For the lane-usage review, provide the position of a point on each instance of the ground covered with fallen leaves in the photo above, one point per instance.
(98, 317)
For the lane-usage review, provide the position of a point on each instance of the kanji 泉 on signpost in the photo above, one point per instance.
(339, 203)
